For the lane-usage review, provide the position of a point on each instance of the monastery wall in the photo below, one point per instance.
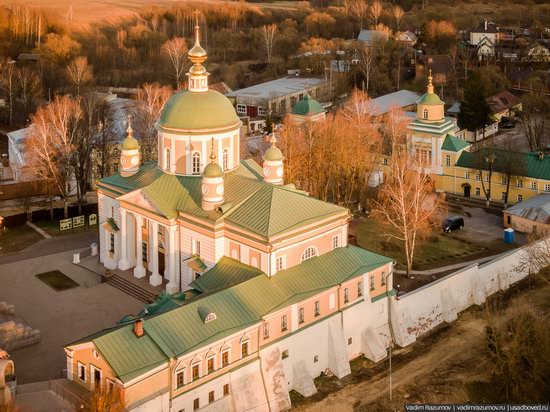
(421, 310)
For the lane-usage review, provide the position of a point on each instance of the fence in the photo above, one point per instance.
(27, 189)
(421, 310)
(67, 395)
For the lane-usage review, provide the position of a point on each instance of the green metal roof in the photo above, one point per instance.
(190, 111)
(454, 144)
(307, 106)
(213, 170)
(111, 222)
(226, 272)
(525, 164)
(257, 206)
(182, 330)
(273, 154)
(130, 143)
(430, 99)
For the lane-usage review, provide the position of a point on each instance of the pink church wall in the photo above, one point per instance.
(275, 323)
(181, 163)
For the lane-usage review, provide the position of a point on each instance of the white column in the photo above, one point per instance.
(123, 263)
(172, 286)
(139, 270)
(155, 278)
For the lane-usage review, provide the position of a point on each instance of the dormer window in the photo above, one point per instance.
(309, 253)
(206, 314)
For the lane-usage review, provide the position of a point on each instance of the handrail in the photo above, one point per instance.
(65, 394)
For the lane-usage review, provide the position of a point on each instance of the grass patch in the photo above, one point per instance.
(51, 227)
(17, 238)
(57, 280)
(440, 247)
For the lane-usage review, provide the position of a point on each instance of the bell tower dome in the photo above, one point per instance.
(273, 163)
(129, 153)
(430, 108)
(212, 183)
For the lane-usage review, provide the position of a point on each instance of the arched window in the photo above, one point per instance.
(309, 253)
(196, 167)
(167, 159)
(225, 159)
(425, 114)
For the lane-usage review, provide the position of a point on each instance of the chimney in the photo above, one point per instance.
(138, 327)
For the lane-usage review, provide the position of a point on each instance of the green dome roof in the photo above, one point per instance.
(213, 170)
(431, 99)
(130, 144)
(191, 111)
(307, 106)
(273, 154)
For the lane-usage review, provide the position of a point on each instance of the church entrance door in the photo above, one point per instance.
(161, 262)
(467, 189)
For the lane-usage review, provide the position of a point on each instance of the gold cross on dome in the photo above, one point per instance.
(196, 13)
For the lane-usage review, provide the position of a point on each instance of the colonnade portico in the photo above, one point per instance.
(131, 253)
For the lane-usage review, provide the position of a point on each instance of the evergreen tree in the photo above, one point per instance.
(475, 112)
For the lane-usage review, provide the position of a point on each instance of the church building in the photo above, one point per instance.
(254, 270)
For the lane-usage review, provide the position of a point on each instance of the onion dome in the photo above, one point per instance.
(129, 143)
(212, 169)
(430, 98)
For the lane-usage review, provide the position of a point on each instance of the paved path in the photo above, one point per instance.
(40, 231)
(50, 246)
(455, 266)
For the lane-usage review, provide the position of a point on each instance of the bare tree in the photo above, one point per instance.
(79, 73)
(483, 162)
(51, 143)
(29, 86)
(9, 84)
(269, 33)
(359, 8)
(176, 51)
(149, 103)
(407, 202)
(398, 14)
(367, 63)
(533, 120)
(375, 12)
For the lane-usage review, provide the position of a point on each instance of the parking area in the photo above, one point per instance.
(62, 317)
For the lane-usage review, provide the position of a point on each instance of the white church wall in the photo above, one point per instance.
(108, 207)
(421, 310)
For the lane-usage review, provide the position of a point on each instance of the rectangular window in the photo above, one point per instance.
(266, 330)
(196, 404)
(520, 198)
(317, 308)
(197, 248)
(385, 161)
(225, 359)
(467, 175)
(504, 180)
(447, 160)
(503, 196)
(383, 279)
(241, 108)
(519, 183)
(81, 372)
(144, 252)
(478, 176)
(180, 379)
(110, 385)
(210, 365)
(478, 191)
(284, 354)
(210, 396)
(335, 242)
(262, 111)
(280, 263)
(284, 326)
(359, 289)
(112, 210)
(486, 177)
(546, 187)
(301, 315)
(316, 359)
(372, 282)
(350, 341)
(346, 295)
(196, 372)
(244, 349)
(534, 185)
(112, 242)
(226, 389)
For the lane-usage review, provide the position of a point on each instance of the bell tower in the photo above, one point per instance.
(212, 183)
(273, 163)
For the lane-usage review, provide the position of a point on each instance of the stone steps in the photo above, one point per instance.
(17, 335)
(130, 288)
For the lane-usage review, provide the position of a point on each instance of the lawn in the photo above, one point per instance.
(57, 280)
(438, 250)
(17, 238)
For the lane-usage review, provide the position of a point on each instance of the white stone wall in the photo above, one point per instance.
(421, 310)
(106, 206)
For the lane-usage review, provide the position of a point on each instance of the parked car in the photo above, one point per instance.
(453, 223)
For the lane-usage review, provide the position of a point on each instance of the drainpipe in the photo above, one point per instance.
(171, 369)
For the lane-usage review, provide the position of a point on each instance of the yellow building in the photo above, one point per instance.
(507, 177)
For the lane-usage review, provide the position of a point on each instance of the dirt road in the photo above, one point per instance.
(452, 352)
